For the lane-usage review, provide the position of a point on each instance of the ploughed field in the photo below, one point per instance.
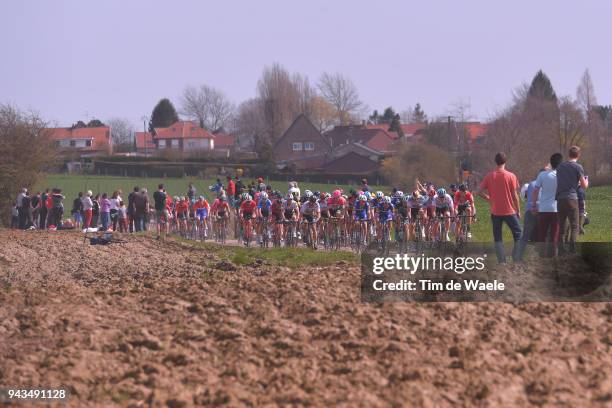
(151, 323)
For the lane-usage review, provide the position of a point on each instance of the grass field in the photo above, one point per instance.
(599, 199)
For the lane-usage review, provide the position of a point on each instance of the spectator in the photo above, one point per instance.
(546, 208)
(42, 223)
(122, 217)
(231, 190)
(501, 188)
(105, 208)
(115, 203)
(20, 210)
(530, 220)
(294, 190)
(87, 209)
(239, 189)
(35, 205)
(141, 209)
(26, 210)
(130, 208)
(581, 208)
(161, 213)
(570, 174)
(57, 207)
(77, 209)
(365, 186)
(191, 192)
(95, 211)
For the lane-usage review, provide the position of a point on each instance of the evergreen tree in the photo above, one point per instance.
(374, 118)
(95, 123)
(163, 115)
(388, 115)
(541, 88)
(418, 115)
(395, 125)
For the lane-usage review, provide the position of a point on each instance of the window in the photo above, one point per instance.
(88, 143)
(72, 143)
(297, 147)
(308, 146)
(175, 143)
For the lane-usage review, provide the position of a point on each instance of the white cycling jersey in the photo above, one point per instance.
(445, 201)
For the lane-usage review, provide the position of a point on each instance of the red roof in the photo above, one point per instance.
(182, 130)
(100, 136)
(475, 129)
(224, 141)
(375, 138)
(409, 129)
(141, 137)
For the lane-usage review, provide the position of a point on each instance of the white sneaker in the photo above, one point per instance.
(447, 237)
(469, 235)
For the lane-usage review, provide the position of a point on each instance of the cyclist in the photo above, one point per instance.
(443, 204)
(276, 210)
(311, 212)
(385, 215)
(362, 214)
(182, 212)
(263, 212)
(201, 208)
(415, 202)
(464, 203)
(246, 212)
(291, 212)
(323, 197)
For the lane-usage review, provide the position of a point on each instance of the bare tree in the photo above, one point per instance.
(250, 123)
(27, 151)
(122, 134)
(585, 93)
(208, 105)
(342, 94)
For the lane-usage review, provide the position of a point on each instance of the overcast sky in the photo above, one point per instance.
(70, 59)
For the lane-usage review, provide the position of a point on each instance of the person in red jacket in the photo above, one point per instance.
(230, 190)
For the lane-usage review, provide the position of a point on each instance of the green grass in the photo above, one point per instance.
(72, 184)
(598, 207)
(293, 258)
(599, 199)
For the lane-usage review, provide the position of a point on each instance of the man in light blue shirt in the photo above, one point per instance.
(546, 208)
(529, 221)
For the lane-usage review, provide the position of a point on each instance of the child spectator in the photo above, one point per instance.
(122, 215)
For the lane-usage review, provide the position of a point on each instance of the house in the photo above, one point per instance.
(85, 141)
(183, 136)
(352, 163)
(301, 146)
(411, 130)
(224, 142)
(144, 142)
(375, 138)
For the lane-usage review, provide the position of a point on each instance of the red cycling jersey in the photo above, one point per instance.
(467, 198)
(248, 207)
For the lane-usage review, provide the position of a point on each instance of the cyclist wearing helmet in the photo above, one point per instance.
(336, 204)
(201, 209)
(385, 215)
(263, 212)
(305, 197)
(464, 203)
(310, 211)
(362, 215)
(444, 208)
(416, 202)
(182, 210)
(294, 190)
(323, 197)
(246, 213)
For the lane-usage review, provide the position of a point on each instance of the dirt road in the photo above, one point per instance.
(148, 323)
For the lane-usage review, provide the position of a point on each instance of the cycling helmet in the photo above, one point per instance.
(307, 193)
(263, 195)
(406, 197)
(379, 194)
(313, 198)
(399, 194)
(367, 195)
(416, 194)
(337, 194)
(453, 187)
(317, 193)
(462, 187)
(261, 187)
(202, 198)
(289, 197)
(176, 198)
(325, 195)
(353, 193)
(246, 196)
(387, 200)
(260, 180)
(345, 196)
(441, 192)
(363, 197)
